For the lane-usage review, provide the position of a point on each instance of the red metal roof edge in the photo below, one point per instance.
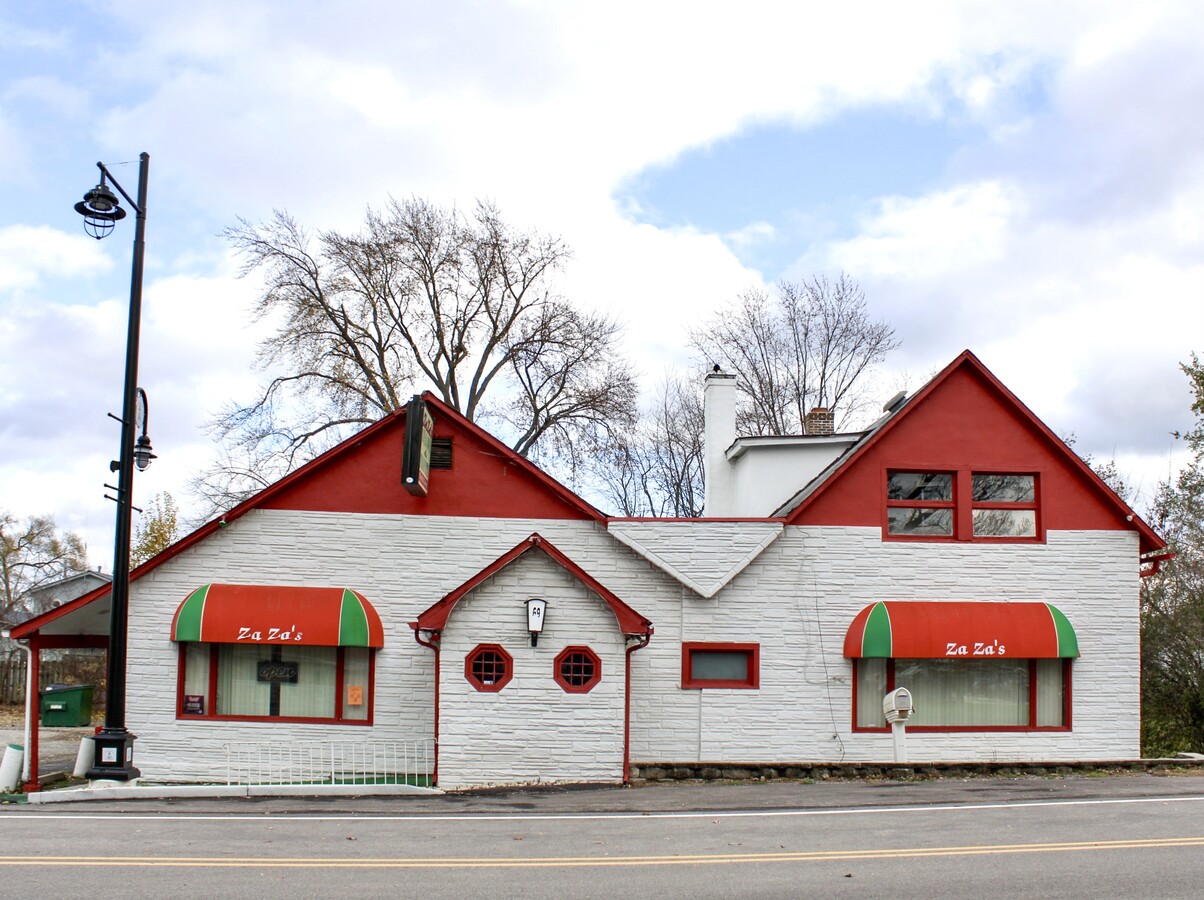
(315, 464)
(434, 618)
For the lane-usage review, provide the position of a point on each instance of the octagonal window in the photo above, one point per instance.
(488, 667)
(577, 669)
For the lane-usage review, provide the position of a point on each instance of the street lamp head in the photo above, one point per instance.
(100, 210)
(142, 453)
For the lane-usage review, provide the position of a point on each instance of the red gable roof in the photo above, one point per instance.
(630, 622)
(965, 418)
(489, 480)
(363, 475)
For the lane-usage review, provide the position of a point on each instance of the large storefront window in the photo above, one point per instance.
(967, 694)
(969, 665)
(267, 652)
(273, 681)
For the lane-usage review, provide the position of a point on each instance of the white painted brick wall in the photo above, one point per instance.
(532, 730)
(796, 599)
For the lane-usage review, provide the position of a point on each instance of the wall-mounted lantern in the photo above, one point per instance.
(536, 608)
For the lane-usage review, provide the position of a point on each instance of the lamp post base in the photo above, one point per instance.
(114, 756)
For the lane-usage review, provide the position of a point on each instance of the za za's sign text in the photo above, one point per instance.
(256, 635)
(977, 648)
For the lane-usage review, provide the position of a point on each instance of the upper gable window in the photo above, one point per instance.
(1004, 505)
(919, 503)
(962, 505)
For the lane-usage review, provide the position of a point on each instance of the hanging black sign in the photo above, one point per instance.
(416, 454)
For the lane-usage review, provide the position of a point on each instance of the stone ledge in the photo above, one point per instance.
(890, 771)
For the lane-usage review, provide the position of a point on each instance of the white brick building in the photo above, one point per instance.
(956, 548)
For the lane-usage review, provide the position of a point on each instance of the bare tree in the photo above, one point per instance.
(422, 297)
(657, 469)
(33, 552)
(808, 345)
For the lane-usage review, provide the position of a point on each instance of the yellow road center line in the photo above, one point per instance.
(586, 861)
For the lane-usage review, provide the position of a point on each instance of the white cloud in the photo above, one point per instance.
(29, 253)
(919, 238)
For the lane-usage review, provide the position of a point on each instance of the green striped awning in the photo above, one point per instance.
(277, 614)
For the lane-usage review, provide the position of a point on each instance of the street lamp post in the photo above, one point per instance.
(101, 210)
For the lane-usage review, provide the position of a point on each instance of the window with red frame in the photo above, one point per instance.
(274, 681)
(962, 505)
(966, 694)
(577, 669)
(488, 667)
(720, 665)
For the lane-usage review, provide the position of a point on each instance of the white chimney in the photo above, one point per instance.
(719, 433)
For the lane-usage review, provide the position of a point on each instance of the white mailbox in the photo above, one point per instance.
(897, 706)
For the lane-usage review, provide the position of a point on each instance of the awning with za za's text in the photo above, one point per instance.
(277, 614)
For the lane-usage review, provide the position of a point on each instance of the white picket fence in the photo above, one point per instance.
(330, 762)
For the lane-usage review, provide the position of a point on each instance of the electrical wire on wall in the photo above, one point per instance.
(819, 634)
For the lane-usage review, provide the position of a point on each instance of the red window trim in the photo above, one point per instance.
(1067, 695)
(566, 685)
(963, 506)
(751, 682)
(210, 714)
(480, 685)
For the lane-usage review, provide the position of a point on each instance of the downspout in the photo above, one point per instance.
(432, 644)
(641, 643)
(29, 689)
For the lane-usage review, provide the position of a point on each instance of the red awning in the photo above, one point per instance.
(277, 614)
(982, 630)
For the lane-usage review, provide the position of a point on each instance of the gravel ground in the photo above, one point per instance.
(57, 747)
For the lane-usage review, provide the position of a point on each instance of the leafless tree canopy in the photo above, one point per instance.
(808, 345)
(421, 298)
(33, 553)
(657, 469)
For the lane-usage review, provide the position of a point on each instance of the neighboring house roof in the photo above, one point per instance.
(434, 619)
(964, 417)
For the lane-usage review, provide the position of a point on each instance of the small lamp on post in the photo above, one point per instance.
(536, 608)
(101, 211)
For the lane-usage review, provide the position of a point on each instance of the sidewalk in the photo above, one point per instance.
(719, 798)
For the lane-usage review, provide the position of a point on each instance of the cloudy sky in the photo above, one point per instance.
(1024, 179)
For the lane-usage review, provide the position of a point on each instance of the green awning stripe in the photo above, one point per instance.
(353, 621)
(191, 614)
(1068, 641)
(876, 639)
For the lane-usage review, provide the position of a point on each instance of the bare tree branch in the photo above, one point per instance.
(422, 297)
(810, 345)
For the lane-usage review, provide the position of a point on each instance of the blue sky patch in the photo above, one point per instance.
(807, 183)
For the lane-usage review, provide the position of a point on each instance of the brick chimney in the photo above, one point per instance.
(819, 421)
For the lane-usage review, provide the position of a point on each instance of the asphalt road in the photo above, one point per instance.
(1124, 836)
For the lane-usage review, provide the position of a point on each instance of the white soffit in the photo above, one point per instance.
(704, 556)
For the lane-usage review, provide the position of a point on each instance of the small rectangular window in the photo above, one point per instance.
(1004, 506)
(720, 665)
(920, 486)
(919, 504)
